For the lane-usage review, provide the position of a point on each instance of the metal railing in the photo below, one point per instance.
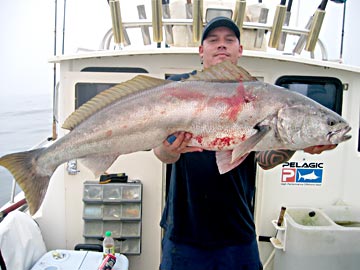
(308, 36)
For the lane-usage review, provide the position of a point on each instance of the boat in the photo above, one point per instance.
(78, 210)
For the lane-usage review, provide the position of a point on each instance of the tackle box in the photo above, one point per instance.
(115, 207)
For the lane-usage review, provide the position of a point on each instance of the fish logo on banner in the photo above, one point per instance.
(295, 173)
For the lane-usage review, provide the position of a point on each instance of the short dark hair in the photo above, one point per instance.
(220, 21)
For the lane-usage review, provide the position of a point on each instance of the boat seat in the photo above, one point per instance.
(21, 241)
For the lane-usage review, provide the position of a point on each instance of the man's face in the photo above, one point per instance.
(220, 44)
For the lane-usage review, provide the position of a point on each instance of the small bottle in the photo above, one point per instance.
(108, 244)
(108, 263)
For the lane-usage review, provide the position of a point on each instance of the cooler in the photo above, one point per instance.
(76, 260)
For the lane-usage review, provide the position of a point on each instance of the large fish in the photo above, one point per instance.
(225, 109)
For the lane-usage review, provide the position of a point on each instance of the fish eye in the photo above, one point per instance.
(331, 122)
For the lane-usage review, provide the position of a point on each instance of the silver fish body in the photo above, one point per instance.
(219, 115)
(231, 116)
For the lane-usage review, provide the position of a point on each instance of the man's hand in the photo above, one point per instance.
(170, 152)
(318, 149)
(180, 144)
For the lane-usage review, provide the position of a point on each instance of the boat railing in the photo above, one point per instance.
(300, 32)
(160, 20)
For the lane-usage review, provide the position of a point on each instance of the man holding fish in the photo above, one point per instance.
(208, 217)
(232, 121)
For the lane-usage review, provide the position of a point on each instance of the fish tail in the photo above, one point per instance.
(32, 182)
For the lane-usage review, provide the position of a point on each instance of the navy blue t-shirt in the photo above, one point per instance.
(205, 208)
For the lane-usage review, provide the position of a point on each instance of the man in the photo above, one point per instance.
(208, 217)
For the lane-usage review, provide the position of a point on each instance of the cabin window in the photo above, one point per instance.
(327, 91)
(86, 91)
(115, 69)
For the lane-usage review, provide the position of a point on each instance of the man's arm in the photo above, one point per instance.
(269, 159)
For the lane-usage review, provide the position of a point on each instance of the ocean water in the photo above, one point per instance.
(25, 121)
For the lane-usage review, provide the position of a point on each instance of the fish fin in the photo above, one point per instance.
(248, 145)
(223, 161)
(106, 97)
(98, 164)
(33, 183)
(224, 71)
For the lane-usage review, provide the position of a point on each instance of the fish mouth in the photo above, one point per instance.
(339, 135)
